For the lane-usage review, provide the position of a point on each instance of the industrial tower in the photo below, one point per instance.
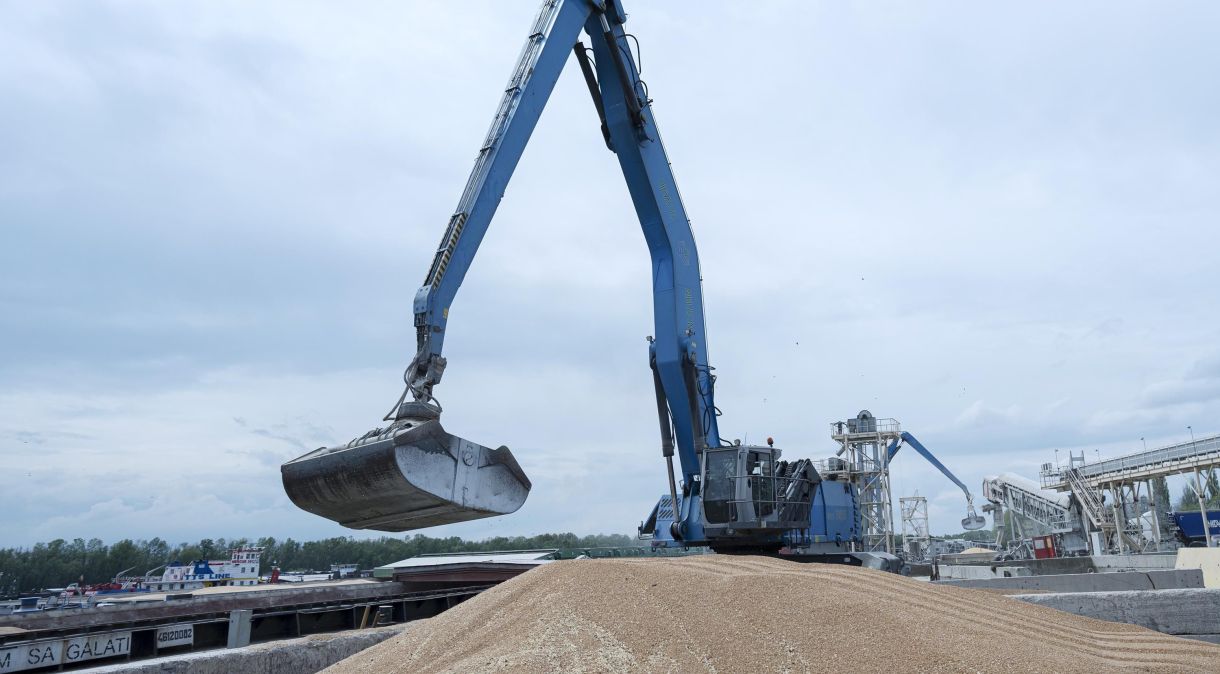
(915, 535)
(863, 441)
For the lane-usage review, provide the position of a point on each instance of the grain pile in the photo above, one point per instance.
(753, 614)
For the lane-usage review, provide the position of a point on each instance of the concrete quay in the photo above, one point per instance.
(1193, 613)
(1089, 582)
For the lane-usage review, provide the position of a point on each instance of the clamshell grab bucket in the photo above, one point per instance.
(411, 475)
(973, 521)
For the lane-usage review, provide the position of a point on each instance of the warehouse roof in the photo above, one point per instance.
(472, 567)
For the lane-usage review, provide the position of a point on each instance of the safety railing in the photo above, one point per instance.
(768, 498)
(864, 427)
(831, 465)
(1089, 499)
(1202, 450)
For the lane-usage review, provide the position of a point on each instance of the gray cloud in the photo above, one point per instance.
(990, 222)
(1200, 385)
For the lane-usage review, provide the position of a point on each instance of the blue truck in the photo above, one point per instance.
(1190, 527)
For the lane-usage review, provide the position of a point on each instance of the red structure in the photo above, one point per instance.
(1044, 547)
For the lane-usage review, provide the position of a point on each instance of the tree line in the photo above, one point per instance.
(60, 562)
(1189, 501)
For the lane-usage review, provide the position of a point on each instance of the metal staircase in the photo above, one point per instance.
(1102, 517)
(1090, 501)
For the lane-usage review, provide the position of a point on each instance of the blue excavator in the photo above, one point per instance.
(412, 473)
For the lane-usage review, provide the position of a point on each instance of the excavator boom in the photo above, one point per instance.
(972, 521)
(412, 473)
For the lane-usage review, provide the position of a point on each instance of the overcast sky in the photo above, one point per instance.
(995, 222)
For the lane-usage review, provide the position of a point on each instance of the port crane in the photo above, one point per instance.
(413, 474)
(972, 521)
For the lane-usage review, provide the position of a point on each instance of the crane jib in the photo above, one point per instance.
(413, 473)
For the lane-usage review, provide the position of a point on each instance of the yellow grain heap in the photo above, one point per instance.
(718, 613)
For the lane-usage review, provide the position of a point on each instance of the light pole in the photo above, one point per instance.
(1145, 444)
(1192, 433)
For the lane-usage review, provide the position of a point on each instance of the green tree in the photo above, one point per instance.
(58, 563)
(1188, 501)
(207, 548)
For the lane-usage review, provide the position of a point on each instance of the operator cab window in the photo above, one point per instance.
(762, 486)
(718, 496)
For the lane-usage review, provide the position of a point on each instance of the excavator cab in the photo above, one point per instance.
(750, 488)
(409, 475)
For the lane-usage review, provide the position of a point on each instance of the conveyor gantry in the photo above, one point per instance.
(1183, 457)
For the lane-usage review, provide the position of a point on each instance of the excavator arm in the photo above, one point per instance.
(679, 346)
(972, 520)
(546, 50)
(412, 474)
